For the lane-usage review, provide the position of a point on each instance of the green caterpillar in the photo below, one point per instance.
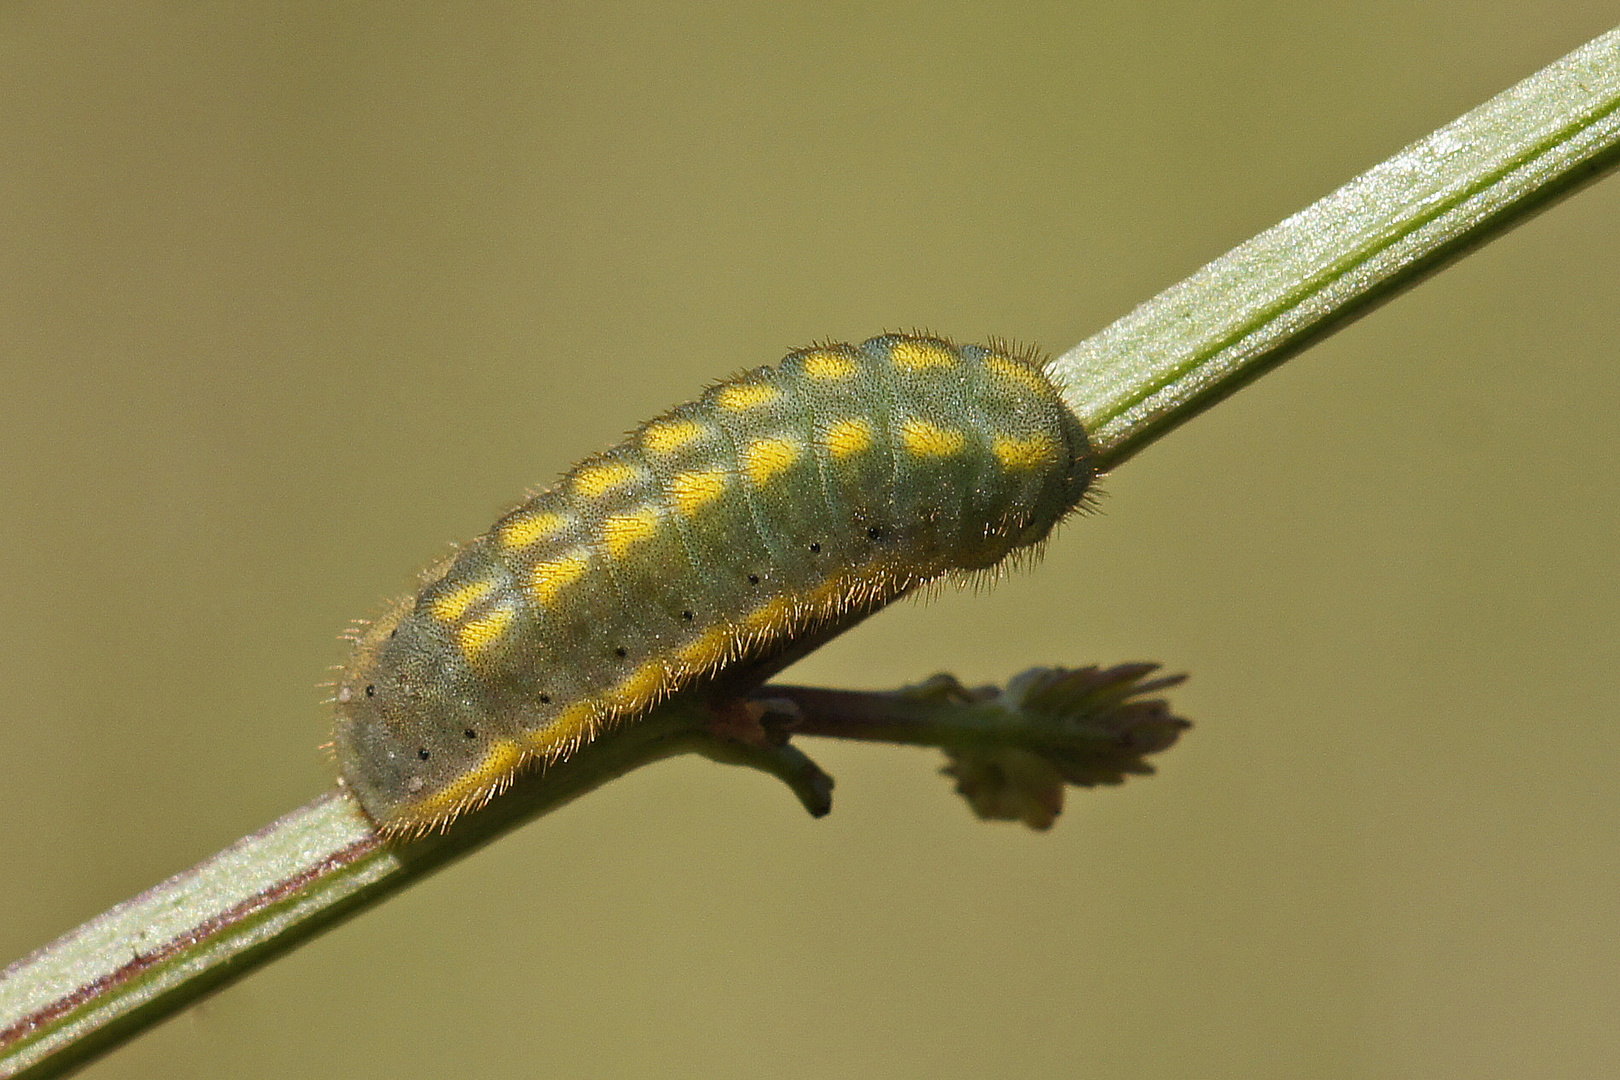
(784, 503)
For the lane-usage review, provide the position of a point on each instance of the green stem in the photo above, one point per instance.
(1138, 379)
(1336, 260)
(300, 875)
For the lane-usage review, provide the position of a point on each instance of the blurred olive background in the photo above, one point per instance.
(295, 293)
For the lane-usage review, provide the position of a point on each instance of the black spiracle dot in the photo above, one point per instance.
(753, 579)
(815, 548)
(371, 690)
(620, 651)
(394, 633)
(423, 753)
(874, 532)
(688, 616)
(470, 733)
(545, 699)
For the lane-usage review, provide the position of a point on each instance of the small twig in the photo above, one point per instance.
(1013, 751)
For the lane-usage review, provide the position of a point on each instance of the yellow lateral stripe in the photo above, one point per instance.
(920, 355)
(645, 686)
(593, 481)
(565, 730)
(690, 491)
(768, 458)
(520, 532)
(740, 397)
(774, 617)
(1003, 368)
(668, 436)
(549, 576)
(829, 367)
(847, 438)
(707, 652)
(481, 633)
(501, 761)
(1031, 453)
(621, 531)
(453, 604)
(927, 440)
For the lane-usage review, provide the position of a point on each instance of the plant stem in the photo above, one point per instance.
(1138, 379)
(267, 893)
(1297, 282)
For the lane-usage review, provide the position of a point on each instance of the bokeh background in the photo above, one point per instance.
(292, 294)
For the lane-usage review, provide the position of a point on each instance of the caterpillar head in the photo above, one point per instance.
(409, 728)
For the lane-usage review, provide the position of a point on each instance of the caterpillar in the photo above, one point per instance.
(784, 504)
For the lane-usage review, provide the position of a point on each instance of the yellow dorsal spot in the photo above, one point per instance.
(480, 634)
(453, 603)
(829, 367)
(740, 397)
(911, 355)
(520, 532)
(1029, 453)
(668, 436)
(690, 491)
(1003, 368)
(847, 438)
(593, 481)
(927, 440)
(768, 458)
(621, 531)
(501, 761)
(550, 576)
